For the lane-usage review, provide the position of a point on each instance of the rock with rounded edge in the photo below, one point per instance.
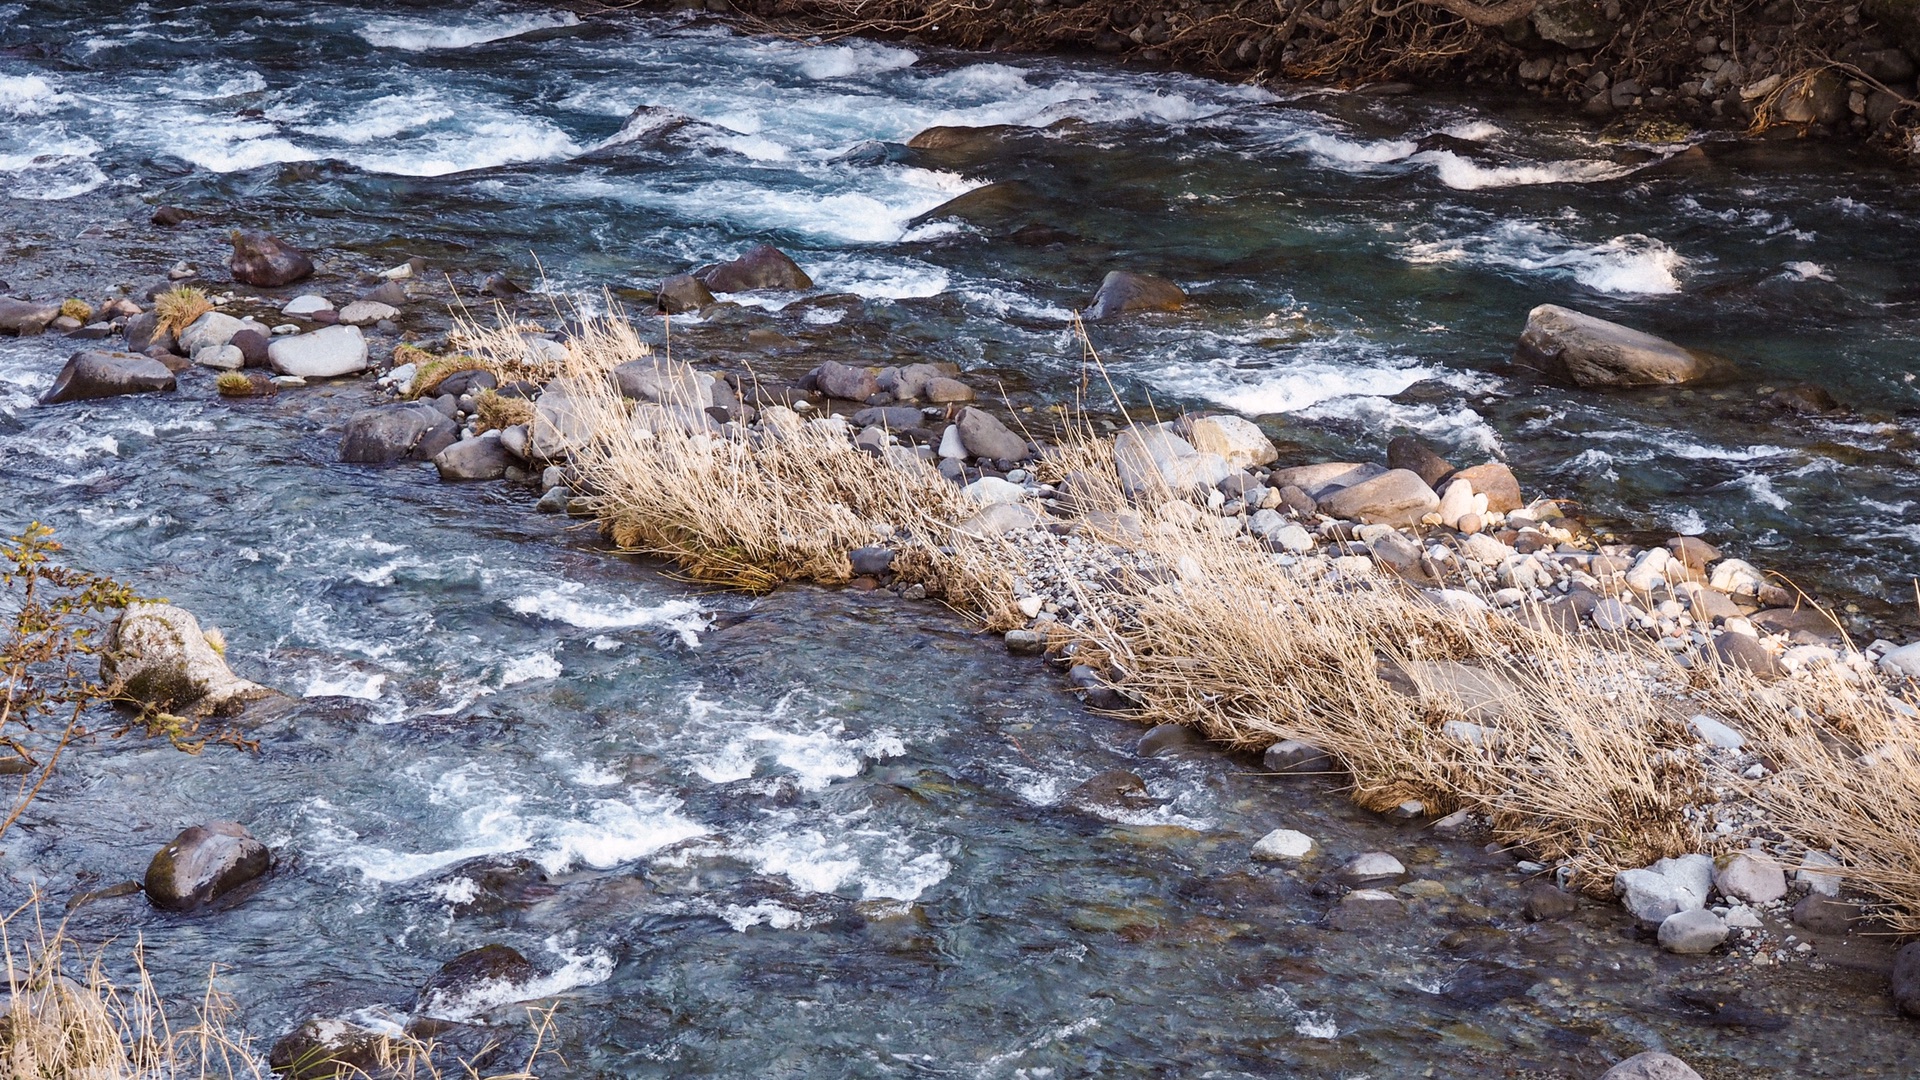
(1407, 452)
(1651, 1066)
(490, 971)
(1150, 457)
(1589, 352)
(1903, 661)
(221, 358)
(985, 436)
(945, 390)
(1905, 979)
(1668, 886)
(252, 343)
(1755, 879)
(1122, 292)
(98, 374)
(991, 491)
(1294, 756)
(845, 381)
(1396, 497)
(1237, 439)
(1000, 519)
(209, 331)
(161, 657)
(329, 1049)
(1284, 845)
(266, 261)
(367, 312)
(479, 458)
(871, 560)
(1820, 873)
(306, 304)
(326, 353)
(1319, 481)
(561, 420)
(145, 333)
(415, 431)
(682, 293)
(665, 382)
(1456, 502)
(1692, 933)
(1372, 866)
(202, 864)
(1496, 481)
(1715, 733)
(26, 318)
(764, 267)
(1744, 652)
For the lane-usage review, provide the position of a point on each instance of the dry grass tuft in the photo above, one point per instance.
(430, 371)
(178, 308)
(498, 413)
(233, 384)
(78, 310)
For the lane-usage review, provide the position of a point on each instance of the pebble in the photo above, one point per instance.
(1024, 642)
(1283, 845)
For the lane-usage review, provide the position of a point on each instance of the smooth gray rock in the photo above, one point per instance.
(96, 374)
(1319, 481)
(663, 381)
(984, 436)
(1122, 292)
(1284, 845)
(367, 312)
(326, 353)
(1396, 497)
(1565, 344)
(1168, 739)
(1691, 933)
(479, 458)
(202, 864)
(1744, 651)
(1294, 756)
(871, 560)
(1755, 879)
(209, 331)
(412, 432)
(1372, 866)
(1151, 457)
(1665, 888)
(161, 656)
(1651, 1066)
(682, 293)
(1824, 914)
(25, 318)
(144, 333)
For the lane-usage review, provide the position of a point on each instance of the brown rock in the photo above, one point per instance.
(266, 261)
(1396, 497)
(202, 864)
(682, 293)
(1122, 292)
(1497, 483)
(764, 267)
(1574, 347)
(1407, 452)
(1696, 553)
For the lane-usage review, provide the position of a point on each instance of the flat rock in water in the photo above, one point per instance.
(266, 261)
(25, 318)
(1651, 1066)
(1546, 902)
(202, 864)
(1372, 866)
(326, 353)
(1123, 292)
(1365, 909)
(764, 267)
(479, 458)
(682, 293)
(306, 304)
(367, 312)
(1283, 845)
(97, 374)
(1396, 497)
(387, 433)
(1577, 348)
(1691, 933)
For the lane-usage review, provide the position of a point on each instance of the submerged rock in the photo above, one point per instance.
(266, 261)
(412, 432)
(163, 658)
(1122, 292)
(476, 978)
(96, 374)
(1565, 344)
(765, 267)
(202, 864)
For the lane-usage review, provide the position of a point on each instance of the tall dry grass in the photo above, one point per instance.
(1574, 747)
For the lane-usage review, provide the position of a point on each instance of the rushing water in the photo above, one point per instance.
(816, 834)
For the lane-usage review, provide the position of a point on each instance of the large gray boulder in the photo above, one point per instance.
(482, 458)
(1150, 457)
(764, 267)
(161, 657)
(844, 381)
(97, 374)
(1667, 887)
(667, 382)
(562, 421)
(266, 261)
(1395, 497)
(1651, 1066)
(202, 864)
(388, 433)
(984, 436)
(1565, 344)
(209, 331)
(1235, 438)
(26, 318)
(1122, 292)
(145, 332)
(326, 353)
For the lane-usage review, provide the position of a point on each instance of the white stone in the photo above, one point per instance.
(1030, 605)
(1904, 660)
(1152, 457)
(306, 305)
(1293, 538)
(1735, 576)
(1373, 864)
(1456, 502)
(209, 331)
(1755, 879)
(992, 491)
(1818, 872)
(285, 328)
(950, 445)
(1714, 733)
(326, 353)
(1692, 933)
(221, 357)
(1239, 441)
(1649, 571)
(1282, 845)
(1742, 917)
(1666, 887)
(367, 312)
(398, 273)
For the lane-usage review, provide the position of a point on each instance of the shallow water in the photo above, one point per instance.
(740, 845)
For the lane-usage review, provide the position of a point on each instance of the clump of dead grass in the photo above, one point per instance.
(498, 412)
(179, 307)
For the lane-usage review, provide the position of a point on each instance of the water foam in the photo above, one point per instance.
(847, 61)
(569, 603)
(1632, 264)
(28, 95)
(425, 35)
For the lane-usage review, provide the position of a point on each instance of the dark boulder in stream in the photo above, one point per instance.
(765, 267)
(1123, 292)
(97, 374)
(202, 864)
(472, 978)
(1573, 347)
(412, 432)
(266, 261)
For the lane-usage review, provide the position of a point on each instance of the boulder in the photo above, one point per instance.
(202, 864)
(1567, 345)
(682, 293)
(1744, 652)
(663, 381)
(561, 422)
(995, 206)
(367, 312)
(1906, 979)
(942, 390)
(144, 333)
(221, 358)
(1396, 497)
(306, 304)
(25, 318)
(1692, 933)
(1407, 452)
(892, 418)
(472, 977)
(1651, 1066)
(480, 458)
(209, 331)
(415, 431)
(1000, 519)
(1122, 292)
(1754, 879)
(253, 345)
(1319, 481)
(325, 353)
(330, 1049)
(1284, 845)
(1237, 439)
(1497, 483)
(97, 374)
(984, 436)
(266, 261)
(764, 267)
(1150, 457)
(161, 657)
(844, 381)
(1666, 887)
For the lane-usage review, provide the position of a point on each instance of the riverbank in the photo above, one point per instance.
(1654, 73)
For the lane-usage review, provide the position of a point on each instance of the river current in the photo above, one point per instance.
(827, 834)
